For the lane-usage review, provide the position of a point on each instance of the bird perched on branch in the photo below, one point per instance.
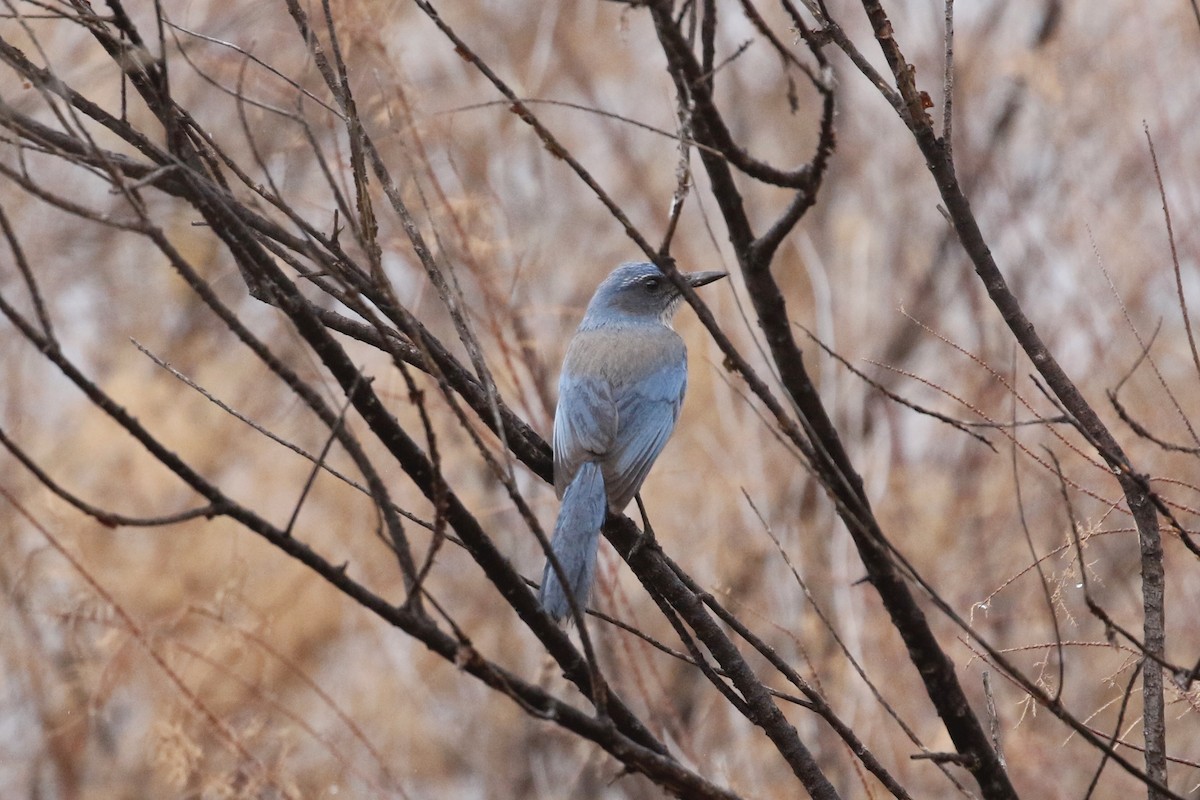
(619, 395)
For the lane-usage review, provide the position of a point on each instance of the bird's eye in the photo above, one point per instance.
(652, 284)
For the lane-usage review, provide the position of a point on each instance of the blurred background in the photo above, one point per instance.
(154, 662)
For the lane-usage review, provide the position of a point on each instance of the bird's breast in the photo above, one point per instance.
(624, 354)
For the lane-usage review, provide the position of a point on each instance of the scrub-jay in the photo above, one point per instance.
(619, 395)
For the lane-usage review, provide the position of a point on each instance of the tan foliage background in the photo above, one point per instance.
(221, 638)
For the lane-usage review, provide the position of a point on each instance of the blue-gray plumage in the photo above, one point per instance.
(619, 395)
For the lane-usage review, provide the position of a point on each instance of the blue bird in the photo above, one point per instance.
(619, 395)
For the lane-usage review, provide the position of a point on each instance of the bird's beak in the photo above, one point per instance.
(698, 279)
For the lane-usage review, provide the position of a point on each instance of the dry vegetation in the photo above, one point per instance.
(213, 656)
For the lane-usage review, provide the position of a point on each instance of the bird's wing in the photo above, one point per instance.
(646, 413)
(585, 425)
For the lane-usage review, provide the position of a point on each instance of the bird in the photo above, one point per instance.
(619, 395)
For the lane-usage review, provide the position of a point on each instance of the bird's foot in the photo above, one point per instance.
(645, 541)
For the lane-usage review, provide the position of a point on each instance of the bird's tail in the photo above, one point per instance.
(576, 539)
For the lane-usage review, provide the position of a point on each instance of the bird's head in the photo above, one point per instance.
(639, 291)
